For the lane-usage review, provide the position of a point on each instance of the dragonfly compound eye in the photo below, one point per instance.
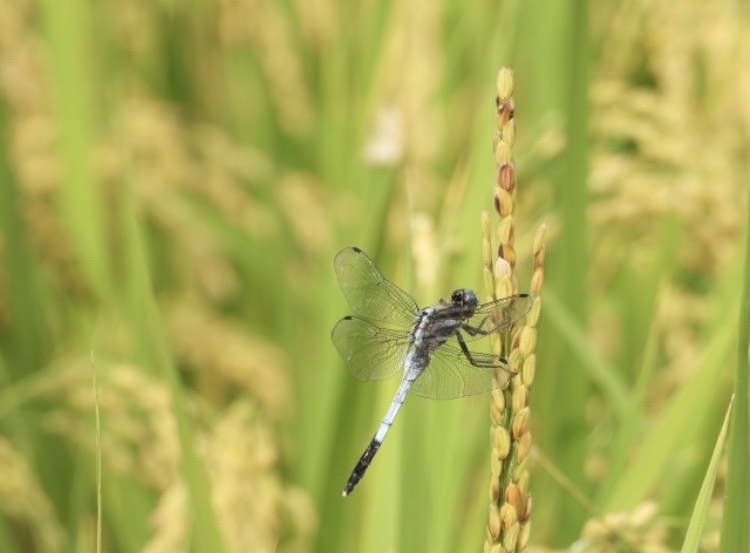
(464, 298)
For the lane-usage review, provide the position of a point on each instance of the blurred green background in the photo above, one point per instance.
(177, 176)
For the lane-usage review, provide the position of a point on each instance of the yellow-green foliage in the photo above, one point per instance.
(176, 177)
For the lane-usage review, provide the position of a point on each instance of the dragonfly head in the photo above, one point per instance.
(464, 298)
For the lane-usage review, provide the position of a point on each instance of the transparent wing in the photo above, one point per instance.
(450, 374)
(369, 293)
(496, 315)
(370, 352)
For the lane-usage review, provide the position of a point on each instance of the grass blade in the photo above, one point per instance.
(735, 532)
(98, 455)
(702, 503)
(673, 427)
(599, 371)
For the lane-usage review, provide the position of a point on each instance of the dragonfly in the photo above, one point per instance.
(390, 332)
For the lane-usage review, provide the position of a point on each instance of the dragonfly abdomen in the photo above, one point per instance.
(362, 464)
(413, 371)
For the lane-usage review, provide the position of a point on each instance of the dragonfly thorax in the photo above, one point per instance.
(434, 325)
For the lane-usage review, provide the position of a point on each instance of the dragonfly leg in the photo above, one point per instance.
(474, 330)
(475, 362)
